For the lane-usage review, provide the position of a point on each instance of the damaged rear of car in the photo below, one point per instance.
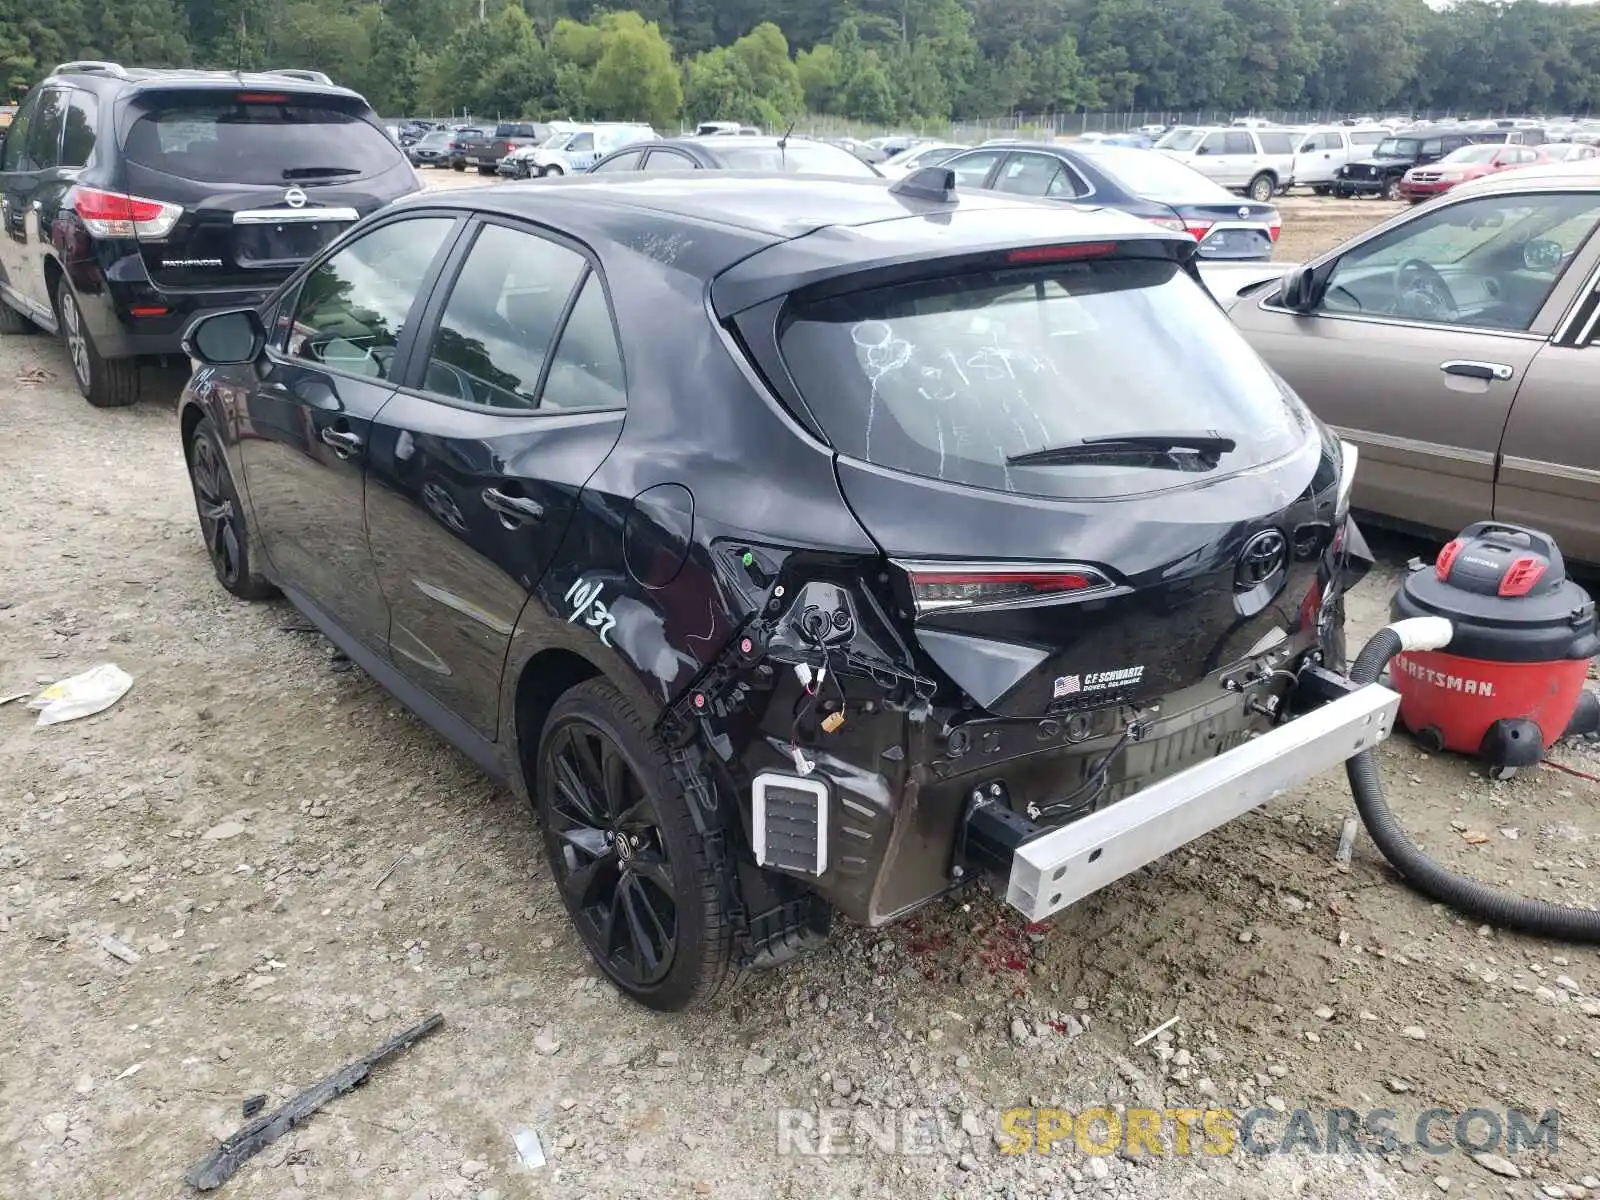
(1105, 554)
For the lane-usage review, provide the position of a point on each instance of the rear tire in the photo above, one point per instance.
(1262, 187)
(553, 170)
(643, 895)
(13, 323)
(458, 166)
(222, 524)
(104, 382)
(486, 170)
(1321, 190)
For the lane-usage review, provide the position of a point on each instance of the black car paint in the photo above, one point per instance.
(661, 550)
(707, 153)
(1107, 191)
(112, 277)
(1374, 176)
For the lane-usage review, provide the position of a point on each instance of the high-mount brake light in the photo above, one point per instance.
(262, 98)
(939, 587)
(1066, 253)
(114, 215)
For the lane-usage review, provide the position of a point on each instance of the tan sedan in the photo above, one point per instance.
(1458, 345)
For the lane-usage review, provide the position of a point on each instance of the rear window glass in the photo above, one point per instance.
(952, 377)
(237, 142)
(1157, 176)
(796, 159)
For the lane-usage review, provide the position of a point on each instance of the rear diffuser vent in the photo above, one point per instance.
(789, 816)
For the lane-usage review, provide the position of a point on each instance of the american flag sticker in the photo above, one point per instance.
(1067, 685)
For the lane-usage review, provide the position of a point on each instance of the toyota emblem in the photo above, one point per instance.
(1244, 213)
(1263, 556)
(295, 198)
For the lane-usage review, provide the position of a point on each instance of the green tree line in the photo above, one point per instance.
(878, 61)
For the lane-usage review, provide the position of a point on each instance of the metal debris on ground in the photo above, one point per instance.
(82, 695)
(529, 1149)
(216, 1168)
(119, 951)
(254, 1104)
(35, 375)
(1347, 842)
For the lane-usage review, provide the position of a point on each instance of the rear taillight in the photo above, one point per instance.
(1171, 223)
(1520, 577)
(942, 587)
(1447, 558)
(114, 215)
(1275, 228)
(1198, 229)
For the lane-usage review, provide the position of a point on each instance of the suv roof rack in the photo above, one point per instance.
(91, 66)
(301, 73)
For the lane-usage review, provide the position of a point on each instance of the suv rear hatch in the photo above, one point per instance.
(264, 179)
(1093, 572)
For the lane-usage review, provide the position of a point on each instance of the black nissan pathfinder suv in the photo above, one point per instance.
(134, 200)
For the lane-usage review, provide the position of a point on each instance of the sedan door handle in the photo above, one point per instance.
(517, 508)
(344, 442)
(1477, 370)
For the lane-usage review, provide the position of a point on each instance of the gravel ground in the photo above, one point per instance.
(255, 867)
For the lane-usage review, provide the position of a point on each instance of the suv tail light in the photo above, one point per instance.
(943, 587)
(114, 215)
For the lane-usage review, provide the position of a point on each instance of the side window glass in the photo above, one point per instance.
(668, 160)
(586, 372)
(1027, 174)
(1240, 143)
(1489, 262)
(1215, 143)
(1275, 143)
(972, 169)
(16, 157)
(501, 318)
(77, 143)
(1066, 185)
(44, 139)
(1435, 146)
(622, 162)
(583, 142)
(352, 309)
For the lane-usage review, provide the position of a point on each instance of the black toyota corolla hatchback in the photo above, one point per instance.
(799, 546)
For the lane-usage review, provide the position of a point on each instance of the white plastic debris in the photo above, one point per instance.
(529, 1148)
(96, 690)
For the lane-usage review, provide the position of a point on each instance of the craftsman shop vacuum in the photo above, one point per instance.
(1520, 636)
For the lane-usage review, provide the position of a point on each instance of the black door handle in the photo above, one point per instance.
(344, 442)
(1477, 370)
(518, 508)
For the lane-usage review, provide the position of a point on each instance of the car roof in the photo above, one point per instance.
(1580, 174)
(155, 78)
(866, 221)
(715, 141)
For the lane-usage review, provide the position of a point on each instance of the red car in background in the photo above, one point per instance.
(1470, 162)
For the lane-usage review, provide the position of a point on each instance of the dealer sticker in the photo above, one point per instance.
(1096, 681)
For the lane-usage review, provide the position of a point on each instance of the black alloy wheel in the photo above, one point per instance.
(624, 853)
(222, 524)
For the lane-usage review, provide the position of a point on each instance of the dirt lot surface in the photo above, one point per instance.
(255, 867)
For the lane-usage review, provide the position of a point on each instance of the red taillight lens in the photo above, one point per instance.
(262, 98)
(1046, 254)
(1275, 228)
(1171, 223)
(1520, 576)
(1198, 229)
(112, 214)
(1447, 558)
(940, 587)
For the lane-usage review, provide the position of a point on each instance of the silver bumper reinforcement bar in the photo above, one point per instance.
(1060, 867)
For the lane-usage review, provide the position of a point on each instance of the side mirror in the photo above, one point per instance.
(1301, 291)
(1201, 150)
(226, 339)
(1541, 254)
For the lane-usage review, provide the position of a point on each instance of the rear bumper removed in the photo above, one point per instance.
(1059, 867)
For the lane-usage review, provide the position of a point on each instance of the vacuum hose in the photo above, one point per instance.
(1492, 905)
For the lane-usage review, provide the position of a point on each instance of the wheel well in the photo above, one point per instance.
(52, 278)
(192, 416)
(545, 678)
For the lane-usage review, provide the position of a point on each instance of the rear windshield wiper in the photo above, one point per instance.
(1208, 445)
(314, 172)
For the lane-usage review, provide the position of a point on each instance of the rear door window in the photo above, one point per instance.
(502, 315)
(669, 160)
(44, 139)
(1028, 175)
(1217, 143)
(259, 139)
(1276, 143)
(972, 169)
(951, 377)
(1238, 143)
(622, 162)
(586, 372)
(77, 140)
